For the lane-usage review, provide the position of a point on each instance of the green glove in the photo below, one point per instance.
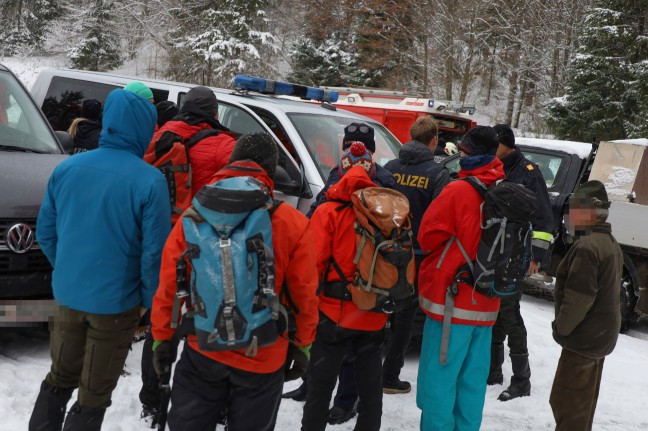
(306, 350)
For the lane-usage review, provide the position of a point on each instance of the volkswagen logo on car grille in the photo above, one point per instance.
(20, 238)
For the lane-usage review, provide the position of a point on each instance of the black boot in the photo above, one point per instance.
(520, 383)
(49, 410)
(495, 376)
(298, 394)
(84, 418)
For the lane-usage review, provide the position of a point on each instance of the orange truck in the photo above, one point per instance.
(398, 110)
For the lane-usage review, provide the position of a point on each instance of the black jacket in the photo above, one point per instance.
(87, 136)
(382, 178)
(419, 178)
(521, 171)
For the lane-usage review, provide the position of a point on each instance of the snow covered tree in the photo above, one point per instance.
(599, 98)
(99, 46)
(23, 24)
(216, 39)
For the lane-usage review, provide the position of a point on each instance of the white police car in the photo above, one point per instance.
(310, 135)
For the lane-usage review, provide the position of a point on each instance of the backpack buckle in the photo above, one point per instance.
(225, 242)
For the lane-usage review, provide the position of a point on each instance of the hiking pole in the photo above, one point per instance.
(165, 397)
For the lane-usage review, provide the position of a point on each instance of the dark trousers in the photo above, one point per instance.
(150, 393)
(401, 332)
(327, 355)
(203, 388)
(510, 323)
(89, 351)
(575, 391)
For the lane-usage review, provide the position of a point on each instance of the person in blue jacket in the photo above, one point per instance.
(102, 225)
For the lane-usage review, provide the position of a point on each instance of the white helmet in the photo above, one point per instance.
(450, 148)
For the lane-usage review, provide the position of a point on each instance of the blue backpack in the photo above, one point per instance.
(228, 233)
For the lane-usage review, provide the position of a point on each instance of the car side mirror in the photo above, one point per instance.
(65, 140)
(285, 184)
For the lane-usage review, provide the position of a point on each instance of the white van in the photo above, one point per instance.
(309, 135)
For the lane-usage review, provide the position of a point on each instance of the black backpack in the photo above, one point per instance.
(504, 251)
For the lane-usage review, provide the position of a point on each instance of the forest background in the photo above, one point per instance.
(569, 68)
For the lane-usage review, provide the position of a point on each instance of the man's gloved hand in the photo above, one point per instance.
(297, 362)
(162, 357)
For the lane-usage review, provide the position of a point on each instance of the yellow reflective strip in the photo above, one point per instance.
(544, 236)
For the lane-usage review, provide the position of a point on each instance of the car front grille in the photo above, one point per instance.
(12, 263)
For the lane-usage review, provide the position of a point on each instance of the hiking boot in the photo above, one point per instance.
(520, 383)
(495, 376)
(84, 418)
(338, 415)
(298, 394)
(396, 387)
(150, 416)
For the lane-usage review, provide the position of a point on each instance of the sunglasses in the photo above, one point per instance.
(352, 129)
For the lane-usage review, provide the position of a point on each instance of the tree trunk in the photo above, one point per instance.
(449, 67)
(491, 73)
(508, 118)
(521, 103)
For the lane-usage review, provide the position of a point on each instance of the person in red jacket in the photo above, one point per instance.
(205, 383)
(198, 113)
(455, 354)
(341, 322)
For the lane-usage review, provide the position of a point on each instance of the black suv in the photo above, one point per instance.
(29, 151)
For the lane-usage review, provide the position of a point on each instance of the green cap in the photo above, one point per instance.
(139, 89)
(591, 194)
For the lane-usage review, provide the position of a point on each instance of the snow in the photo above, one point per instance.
(622, 404)
(619, 178)
(580, 149)
(642, 142)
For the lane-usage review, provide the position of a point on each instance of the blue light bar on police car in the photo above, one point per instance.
(268, 86)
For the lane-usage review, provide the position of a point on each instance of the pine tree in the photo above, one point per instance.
(216, 39)
(599, 95)
(99, 46)
(23, 24)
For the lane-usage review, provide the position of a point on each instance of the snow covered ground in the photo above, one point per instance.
(622, 406)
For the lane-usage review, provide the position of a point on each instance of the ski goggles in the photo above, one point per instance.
(353, 128)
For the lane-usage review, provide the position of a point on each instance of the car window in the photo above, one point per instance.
(549, 165)
(323, 136)
(22, 127)
(238, 120)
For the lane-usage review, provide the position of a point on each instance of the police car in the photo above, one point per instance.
(309, 135)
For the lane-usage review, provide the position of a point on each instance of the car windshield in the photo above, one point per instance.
(323, 136)
(22, 127)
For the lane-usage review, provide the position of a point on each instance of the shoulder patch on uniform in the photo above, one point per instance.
(529, 167)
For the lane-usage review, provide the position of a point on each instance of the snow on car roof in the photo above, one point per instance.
(643, 142)
(580, 149)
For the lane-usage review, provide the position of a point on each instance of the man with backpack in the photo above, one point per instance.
(420, 179)
(509, 321)
(189, 149)
(351, 312)
(457, 335)
(244, 266)
(102, 225)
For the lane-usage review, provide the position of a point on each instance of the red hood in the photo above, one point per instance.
(355, 179)
(244, 169)
(183, 129)
(488, 174)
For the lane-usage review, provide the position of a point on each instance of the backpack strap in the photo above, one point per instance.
(477, 185)
(448, 309)
(202, 134)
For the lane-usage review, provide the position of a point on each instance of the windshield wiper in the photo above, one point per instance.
(21, 149)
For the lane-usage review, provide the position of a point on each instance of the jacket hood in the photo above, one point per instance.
(488, 174)
(356, 178)
(128, 122)
(245, 168)
(415, 152)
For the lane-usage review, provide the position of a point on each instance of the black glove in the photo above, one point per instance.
(163, 357)
(297, 362)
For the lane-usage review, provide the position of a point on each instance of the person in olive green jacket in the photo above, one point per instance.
(587, 308)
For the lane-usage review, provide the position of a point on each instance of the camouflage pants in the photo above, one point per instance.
(89, 351)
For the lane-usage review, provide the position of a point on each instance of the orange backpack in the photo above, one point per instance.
(170, 154)
(385, 268)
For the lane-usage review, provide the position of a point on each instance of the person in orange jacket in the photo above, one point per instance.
(341, 322)
(452, 371)
(205, 383)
